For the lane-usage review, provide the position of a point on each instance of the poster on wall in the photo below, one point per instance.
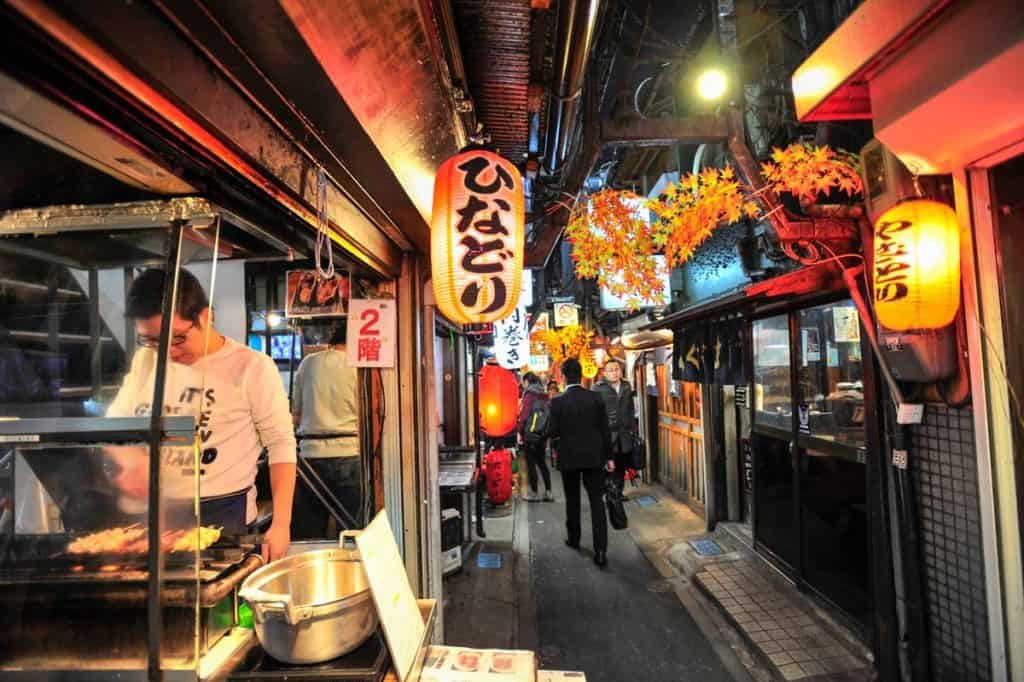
(372, 329)
(512, 340)
(811, 344)
(307, 294)
(846, 323)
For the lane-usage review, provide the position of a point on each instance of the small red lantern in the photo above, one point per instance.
(499, 401)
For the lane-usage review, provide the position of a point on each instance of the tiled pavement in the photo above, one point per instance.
(778, 622)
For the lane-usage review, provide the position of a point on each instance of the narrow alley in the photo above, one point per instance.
(649, 614)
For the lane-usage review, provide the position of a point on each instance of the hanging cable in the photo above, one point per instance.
(323, 236)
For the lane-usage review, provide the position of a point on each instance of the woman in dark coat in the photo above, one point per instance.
(535, 451)
(618, 403)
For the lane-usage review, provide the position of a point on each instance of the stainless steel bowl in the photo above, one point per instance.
(311, 607)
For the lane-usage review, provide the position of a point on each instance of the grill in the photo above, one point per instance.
(88, 612)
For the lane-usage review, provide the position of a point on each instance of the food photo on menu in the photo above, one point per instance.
(461, 664)
(308, 294)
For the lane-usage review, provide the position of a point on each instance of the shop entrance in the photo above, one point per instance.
(808, 451)
(680, 454)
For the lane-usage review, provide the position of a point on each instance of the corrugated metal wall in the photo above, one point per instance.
(945, 476)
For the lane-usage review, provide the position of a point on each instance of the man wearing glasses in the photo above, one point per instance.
(239, 403)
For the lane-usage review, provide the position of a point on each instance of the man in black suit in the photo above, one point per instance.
(579, 422)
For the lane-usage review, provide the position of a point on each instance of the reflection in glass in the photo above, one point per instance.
(775, 489)
(834, 526)
(773, 402)
(830, 372)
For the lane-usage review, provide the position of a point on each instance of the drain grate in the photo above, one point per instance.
(646, 500)
(706, 547)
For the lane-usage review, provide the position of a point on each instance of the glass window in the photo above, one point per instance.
(831, 372)
(773, 402)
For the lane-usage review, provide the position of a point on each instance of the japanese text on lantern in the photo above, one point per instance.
(477, 238)
(371, 333)
(484, 236)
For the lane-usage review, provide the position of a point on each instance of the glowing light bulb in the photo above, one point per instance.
(712, 84)
(274, 319)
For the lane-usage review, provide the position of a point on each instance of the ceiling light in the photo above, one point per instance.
(712, 84)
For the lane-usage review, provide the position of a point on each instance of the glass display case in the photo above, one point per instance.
(105, 567)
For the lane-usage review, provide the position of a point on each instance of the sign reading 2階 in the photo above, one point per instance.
(372, 332)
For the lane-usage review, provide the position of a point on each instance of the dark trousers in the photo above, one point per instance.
(535, 459)
(622, 462)
(341, 475)
(593, 481)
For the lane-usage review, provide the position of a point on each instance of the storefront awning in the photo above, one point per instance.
(935, 76)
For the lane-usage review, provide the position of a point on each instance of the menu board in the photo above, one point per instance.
(461, 664)
(396, 604)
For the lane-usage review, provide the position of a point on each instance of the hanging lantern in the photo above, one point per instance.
(499, 401)
(477, 237)
(588, 364)
(917, 266)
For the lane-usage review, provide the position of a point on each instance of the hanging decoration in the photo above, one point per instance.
(512, 340)
(477, 237)
(567, 342)
(917, 266)
(613, 240)
(808, 171)
(688, 211)
(499, 400)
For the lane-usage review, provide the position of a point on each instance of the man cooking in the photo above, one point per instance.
(239, 403)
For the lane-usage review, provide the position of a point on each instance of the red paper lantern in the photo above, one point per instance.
(499, 401)
(477, 237)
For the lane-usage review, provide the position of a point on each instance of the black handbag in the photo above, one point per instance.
(616, 511)
(638, 455)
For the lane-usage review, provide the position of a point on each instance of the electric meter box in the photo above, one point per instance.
(920, 357)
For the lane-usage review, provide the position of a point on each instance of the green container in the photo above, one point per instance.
(245, 616)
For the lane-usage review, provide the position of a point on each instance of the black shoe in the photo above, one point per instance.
(572, 545)
(601, 559)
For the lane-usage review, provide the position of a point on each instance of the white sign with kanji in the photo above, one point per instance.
(372, 332)
(512, 340)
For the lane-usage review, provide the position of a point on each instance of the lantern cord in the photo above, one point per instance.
(917, 186)
(323, 236)
(1016, 406)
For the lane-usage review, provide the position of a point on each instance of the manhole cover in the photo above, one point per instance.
(706, 547)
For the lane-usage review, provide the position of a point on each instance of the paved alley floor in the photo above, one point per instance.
(622, 623)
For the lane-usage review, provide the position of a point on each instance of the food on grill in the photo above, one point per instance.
(196, 539)
(134, 539)
(111, 541)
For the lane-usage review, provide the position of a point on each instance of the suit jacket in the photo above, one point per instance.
(580, 423)
(621, 413)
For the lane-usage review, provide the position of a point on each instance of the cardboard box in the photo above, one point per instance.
(462, 664)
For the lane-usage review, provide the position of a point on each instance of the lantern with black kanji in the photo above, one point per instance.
(477, 237)
(917, 266)
(499, 401)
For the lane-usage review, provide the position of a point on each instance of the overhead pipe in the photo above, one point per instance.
(577, 28)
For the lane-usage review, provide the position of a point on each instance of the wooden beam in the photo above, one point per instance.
(662, 132)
